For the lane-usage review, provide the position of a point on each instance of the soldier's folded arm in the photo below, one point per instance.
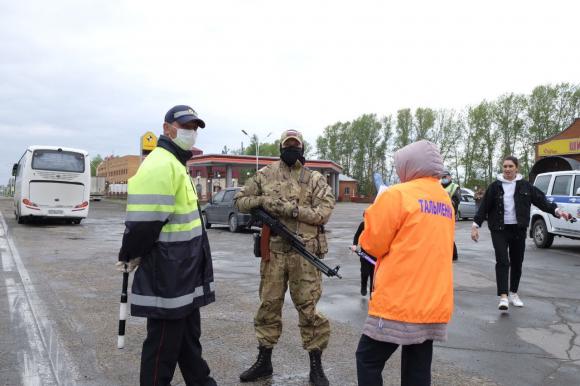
(322, 205)
(249, 197)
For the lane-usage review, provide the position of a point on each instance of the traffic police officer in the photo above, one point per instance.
(302, 200)
(165, 238)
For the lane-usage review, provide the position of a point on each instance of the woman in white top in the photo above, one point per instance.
(506, 207)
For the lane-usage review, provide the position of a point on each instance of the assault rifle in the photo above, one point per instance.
(280, 229)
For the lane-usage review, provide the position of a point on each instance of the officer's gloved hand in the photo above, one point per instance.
(128, 266)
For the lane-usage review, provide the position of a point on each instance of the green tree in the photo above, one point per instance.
(481, 119)
(266, 149)
(404, 128)
(567, 106)
(424, 122)
(540, 109)
(95, 162)
(509, 117)
(446, 131)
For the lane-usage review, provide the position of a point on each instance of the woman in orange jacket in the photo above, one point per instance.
(410, 229)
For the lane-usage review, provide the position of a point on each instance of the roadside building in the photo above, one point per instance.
(118, 169)
(213, 172)
(347, 188)
(559, 152)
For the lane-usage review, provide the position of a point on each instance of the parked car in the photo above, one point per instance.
(221, 210)
(467, 191)
(466, 207)
(562, 188)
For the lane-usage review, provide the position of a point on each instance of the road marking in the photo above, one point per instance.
(44, 341)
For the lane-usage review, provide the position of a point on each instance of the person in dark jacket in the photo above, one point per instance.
(506, 206)
(454, 192)
(366, 267)
(165, 238)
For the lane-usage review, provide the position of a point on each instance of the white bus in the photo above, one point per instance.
(52, 181)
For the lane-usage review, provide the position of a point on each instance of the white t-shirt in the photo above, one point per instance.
(509, 204)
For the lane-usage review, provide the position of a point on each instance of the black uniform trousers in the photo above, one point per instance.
(371, 356)
(170, 342)
(509, 246)
(367, 271)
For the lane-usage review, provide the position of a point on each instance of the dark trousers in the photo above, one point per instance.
(371, 356)
(172, 342)
(455, 257)
(367, 271)
(509, 246)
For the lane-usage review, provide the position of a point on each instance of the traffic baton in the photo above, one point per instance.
(365, 256)
(123, 310)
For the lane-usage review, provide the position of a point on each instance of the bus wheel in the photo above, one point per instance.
(19, 219)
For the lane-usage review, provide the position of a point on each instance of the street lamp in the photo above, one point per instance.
(257, 145)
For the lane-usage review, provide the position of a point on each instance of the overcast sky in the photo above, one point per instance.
(97, 74)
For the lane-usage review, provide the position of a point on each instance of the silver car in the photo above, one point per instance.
(467, 207)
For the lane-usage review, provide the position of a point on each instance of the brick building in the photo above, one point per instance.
(118, 169)
(347, 188)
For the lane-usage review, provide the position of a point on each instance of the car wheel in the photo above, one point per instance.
(542, 238)
(233, 223)
(207, 224)
(76, 221)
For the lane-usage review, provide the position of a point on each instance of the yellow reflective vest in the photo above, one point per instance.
(164, 228)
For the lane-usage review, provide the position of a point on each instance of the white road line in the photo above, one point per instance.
(43, 337)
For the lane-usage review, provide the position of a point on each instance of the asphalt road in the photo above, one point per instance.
(59, 297)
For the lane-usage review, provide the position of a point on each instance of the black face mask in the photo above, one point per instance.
(292, 154)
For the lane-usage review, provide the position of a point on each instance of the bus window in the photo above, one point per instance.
(61, 161)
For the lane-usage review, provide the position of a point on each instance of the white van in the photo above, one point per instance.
(52, 181)
(562, 188)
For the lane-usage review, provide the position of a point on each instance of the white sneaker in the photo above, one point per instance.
(504, 304)
(515, 300)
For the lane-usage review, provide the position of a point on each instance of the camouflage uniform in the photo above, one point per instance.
(307, 190)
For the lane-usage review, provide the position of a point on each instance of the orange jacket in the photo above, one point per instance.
(410, 229)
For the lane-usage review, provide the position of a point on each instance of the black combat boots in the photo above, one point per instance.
(262, 368)
(317, 377)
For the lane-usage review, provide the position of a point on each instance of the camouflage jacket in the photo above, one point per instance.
(302, 187)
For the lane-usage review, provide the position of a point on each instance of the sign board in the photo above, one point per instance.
(148, 141)
(559, 147)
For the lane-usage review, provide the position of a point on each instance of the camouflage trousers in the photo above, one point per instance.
(281, 271)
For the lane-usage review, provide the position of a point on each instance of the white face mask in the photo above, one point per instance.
(185, 139)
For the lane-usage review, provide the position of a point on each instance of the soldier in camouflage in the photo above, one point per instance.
(302, 200)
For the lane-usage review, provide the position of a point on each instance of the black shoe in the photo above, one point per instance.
(317, 377)
(261, 369)
(363, 290)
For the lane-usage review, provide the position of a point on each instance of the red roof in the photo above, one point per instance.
(247, 160)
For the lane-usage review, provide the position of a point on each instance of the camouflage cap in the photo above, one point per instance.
(286, 135)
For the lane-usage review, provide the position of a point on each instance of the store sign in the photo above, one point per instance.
(560, 147)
